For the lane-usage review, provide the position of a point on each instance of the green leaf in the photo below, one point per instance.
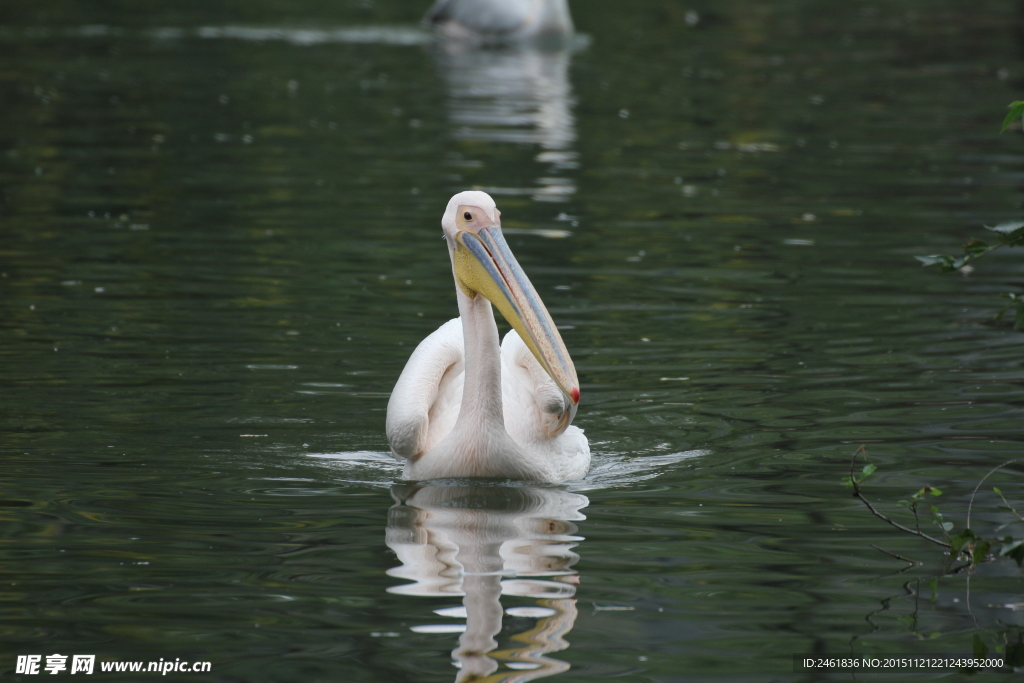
(925, 490)
(868, 470)
(974, 249)
(1007, 228)
(980, 551)
(958, 542)
(968, 534)
(1014, 549)
(1011, 233)
(1016, 109)
(997, 490)
(945, 261)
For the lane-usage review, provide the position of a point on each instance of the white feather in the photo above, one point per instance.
(424, 408)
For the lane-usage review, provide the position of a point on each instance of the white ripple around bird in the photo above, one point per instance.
(609, 470)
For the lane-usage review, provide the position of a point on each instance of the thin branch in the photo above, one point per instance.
(876, 513)
(990, 473)
(899, 526)
(969, 610)
(892, 554)
(956, 570)
(1012, 509)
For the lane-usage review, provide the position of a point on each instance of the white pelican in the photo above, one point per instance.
(465, 407)
(502, 21)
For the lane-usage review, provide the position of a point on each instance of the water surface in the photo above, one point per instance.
(220, 242)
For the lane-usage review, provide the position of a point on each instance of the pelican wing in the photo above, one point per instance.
(483, 16)
(425, 402)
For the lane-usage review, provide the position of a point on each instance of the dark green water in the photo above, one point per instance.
(219, 243)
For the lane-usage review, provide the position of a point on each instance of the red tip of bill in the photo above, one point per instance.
(575, 395)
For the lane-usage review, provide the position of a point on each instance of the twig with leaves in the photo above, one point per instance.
(965, 544)
(1008, 234)
(854, 481)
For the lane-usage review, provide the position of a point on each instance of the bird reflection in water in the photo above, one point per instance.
(506, 65)
(481, 542)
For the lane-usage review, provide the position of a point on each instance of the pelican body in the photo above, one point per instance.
(501, 21)
(465, 406)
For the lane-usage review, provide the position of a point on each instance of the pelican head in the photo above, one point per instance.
(484, 265)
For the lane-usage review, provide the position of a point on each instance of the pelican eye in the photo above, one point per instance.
(468, 216)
